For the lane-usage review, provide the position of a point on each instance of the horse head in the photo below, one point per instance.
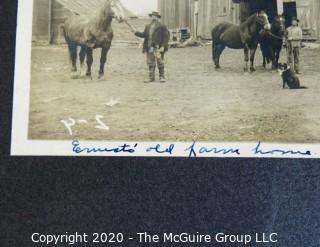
(116, 10)
(278, 25)
(263, 20)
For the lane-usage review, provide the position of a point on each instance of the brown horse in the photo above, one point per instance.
(92, 32)
(271, 41)
(244, 36)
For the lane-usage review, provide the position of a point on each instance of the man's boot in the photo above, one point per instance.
(296, 68)
(162, 75)
(152, 76)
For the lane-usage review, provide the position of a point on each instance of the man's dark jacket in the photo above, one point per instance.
(160, 37)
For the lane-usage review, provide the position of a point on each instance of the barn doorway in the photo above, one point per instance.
(269, 6)
(290, 11)
(248, 8)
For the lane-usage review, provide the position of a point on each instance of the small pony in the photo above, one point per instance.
(244, 36)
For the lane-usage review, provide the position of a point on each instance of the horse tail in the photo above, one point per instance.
(64, 33)
(63, 29)
(213, 44)
(215, 33)
(72, 46)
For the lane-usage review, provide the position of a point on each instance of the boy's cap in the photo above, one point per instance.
(295, 19)
(155, 13)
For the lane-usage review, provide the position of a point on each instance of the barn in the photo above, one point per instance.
(49, 16)
(197, 15)
(308, 11)
(201, 15)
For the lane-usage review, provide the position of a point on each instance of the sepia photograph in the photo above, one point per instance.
(160, 123)
(175, 71)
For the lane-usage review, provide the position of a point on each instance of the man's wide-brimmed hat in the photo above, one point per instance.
(295, 19)
(155, 13)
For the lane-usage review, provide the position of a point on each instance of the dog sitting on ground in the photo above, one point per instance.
(289, 77)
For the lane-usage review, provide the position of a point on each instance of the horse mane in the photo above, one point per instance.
(103, 17)
(276, 20)
(276, 31)
(249, 20)
(245, 27)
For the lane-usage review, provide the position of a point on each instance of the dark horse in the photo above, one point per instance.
(244, 36)
(91, 33)
(271, 42)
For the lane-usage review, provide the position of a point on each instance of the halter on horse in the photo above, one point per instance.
(91, 33)
(244, 36)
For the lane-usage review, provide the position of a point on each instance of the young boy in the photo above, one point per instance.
(293, 40)
(156, 41)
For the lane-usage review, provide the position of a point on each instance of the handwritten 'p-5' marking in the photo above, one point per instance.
(101, 125)
(70, 123)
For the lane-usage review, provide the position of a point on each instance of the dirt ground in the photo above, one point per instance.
(197, 103)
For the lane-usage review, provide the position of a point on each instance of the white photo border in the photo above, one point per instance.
(21, 146)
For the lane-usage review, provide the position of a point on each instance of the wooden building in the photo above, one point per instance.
(308, 11)
(41, 24)
(198, 15)
(202, 15)
(213, 12)
(49, 16)
(175, 13)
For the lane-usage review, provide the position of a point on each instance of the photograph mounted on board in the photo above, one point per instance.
(166, 71)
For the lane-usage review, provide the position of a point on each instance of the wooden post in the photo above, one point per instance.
(50, 22)
(317, 19)
(280, 6)
(196, 18)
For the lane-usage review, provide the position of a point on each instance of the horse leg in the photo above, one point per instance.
(72, 46)
(252, 55)
(89, 62)
(216, 56)
(213, 48)
(264, 64)
(217, 53)
(273, 58)
(246, 58)
(82, 56)
(276, 60)
(213, 52)
(103, 59)
(222, 47)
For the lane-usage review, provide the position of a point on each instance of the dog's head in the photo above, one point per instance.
(282, 67)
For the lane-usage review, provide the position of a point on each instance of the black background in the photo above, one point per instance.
(55, 195)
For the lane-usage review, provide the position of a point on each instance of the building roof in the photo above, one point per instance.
(85, 7)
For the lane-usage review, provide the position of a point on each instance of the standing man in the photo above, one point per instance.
(156, 42)
(294, 39)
